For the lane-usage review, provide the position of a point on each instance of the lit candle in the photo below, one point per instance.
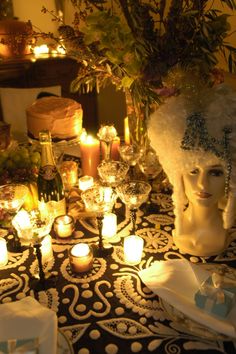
(109, 225)
(126, 131)
(90, 155)
(3, 252)
(64, 225)
(85, 182)
(69, 174)
(81, 258)
(133, 248)
(23, 225)
(46, 249)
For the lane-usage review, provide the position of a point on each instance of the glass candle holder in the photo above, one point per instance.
(3, 252)
(85, 182)
(133, 248)
(69, 174)
(81, 258)
(64, 225)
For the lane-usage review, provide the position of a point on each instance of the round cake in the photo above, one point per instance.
(63, 117)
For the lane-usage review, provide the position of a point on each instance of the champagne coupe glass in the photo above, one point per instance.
(112, 172)
(133, 194)
(12, 197)
(149, 165)
(131, 155)
(41, 227)
(100, 200)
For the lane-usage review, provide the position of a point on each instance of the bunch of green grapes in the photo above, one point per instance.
(19, 165)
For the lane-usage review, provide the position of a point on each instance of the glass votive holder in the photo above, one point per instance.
(64, 225)
(69, 174)
(3, 252)
(81, 258)
(133, 248)
(85, 182)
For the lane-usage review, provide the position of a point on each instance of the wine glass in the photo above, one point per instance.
(12, 197)
(100, 200)
(133, 194)
(112, 173)
(149, 165)
(131, 155)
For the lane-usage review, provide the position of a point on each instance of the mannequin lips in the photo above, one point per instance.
(203, 195)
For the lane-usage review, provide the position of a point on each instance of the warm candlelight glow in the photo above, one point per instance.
(3, 252)
(109, 225)
(23, 225)
(69, 174)
(46, 249)
(81, 258)
(85, 182)
(126, 131)
(90, 155)
(133, 248)
(64, 225)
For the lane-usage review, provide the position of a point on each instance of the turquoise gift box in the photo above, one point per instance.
(217, 300)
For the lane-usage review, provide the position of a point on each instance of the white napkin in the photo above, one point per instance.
(177, 281)
(27, 319)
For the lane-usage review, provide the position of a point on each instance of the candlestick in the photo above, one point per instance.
(109, 225)
(133, 248)
(46, 249)
(81, 258)
(85, 182)
(90, 155)
(126, 131)
(3, 252)
(69, 174)
(64, 225)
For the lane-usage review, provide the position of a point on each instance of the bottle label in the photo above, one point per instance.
(53, 208)
(48, 172)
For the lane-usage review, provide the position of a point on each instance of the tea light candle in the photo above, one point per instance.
(64, 225)
(46, 249)
(109, 225)
(133, 248)
(81, 258)
(85, 182)
(126, 131)
(90, 155)
(3, 252)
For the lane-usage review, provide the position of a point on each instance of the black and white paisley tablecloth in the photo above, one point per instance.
(109, 310)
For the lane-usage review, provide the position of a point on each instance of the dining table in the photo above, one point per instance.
(108, 309)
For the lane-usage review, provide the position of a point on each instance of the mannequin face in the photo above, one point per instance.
(204, 184)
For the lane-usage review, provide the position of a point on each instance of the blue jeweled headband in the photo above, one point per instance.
(196, 137)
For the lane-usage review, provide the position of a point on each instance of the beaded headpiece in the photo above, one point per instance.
(196, 137)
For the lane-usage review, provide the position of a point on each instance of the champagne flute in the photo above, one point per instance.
(133, 194)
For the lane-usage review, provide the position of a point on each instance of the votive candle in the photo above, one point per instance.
(81, 258)
(3, 252)
(64, 225)
(46, 249)
(85, 182)
(133, 248)
(90, 155)
(109, 225)
(69, 174)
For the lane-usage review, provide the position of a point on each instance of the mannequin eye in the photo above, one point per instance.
(194, 172)
(216, 172)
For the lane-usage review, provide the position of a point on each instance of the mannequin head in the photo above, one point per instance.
(194, 136)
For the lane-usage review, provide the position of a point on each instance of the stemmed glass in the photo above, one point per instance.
(133, 194)
(149, 165)
(38, 227)
(131, 155)
(100, 200)
(106, 135)
(12, 197)
(112, 173)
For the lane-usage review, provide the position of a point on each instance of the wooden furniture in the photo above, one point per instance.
(29, 71)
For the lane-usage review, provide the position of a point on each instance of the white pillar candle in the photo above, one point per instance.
(85, 182)
(81, 258)
(133, 248)
(46, 249)
(109, 225)
(3, 252)
(64, 225)
(23, 225)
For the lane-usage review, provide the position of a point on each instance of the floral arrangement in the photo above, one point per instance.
(135, 44)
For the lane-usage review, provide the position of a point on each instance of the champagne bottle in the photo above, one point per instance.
(50, 187)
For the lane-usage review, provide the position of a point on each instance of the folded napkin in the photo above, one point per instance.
(27, 319)
(177, 282)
